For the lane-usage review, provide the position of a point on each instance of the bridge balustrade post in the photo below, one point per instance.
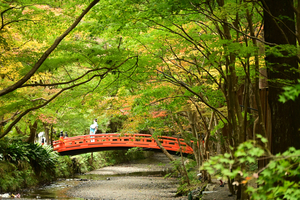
(66, 140)
(61, 143)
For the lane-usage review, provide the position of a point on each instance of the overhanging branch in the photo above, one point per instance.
(47, 53)
(46, 102)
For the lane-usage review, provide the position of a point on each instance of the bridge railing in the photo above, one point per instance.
(119, 140)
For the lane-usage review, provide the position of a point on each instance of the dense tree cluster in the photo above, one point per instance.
(213, 72)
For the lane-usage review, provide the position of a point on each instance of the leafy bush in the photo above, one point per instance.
(63, 168)
(119, 156)
(24, 164)
(278, 180)
(85, 161)
(41, 158)
(9, 176)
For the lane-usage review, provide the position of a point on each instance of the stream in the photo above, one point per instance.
(141, 179)
(58, 189)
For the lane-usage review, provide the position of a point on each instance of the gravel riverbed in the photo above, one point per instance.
(125, 186)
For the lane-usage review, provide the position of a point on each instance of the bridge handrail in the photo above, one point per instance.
(125, 140)
(143, 136)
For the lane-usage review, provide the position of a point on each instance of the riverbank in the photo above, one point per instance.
(121, 183)
(137, 179)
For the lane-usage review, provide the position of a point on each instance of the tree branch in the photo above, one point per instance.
(33, 100)
(182, 84)
(44, 104)
(57, 94)
(47, 53)
(7, 120)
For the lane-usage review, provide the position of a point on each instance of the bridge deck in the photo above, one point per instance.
(100, 142)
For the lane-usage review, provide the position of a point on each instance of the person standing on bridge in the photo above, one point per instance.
(61, 136)
(93, 129)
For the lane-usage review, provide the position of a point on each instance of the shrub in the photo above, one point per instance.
(24, 164)
(278, 180)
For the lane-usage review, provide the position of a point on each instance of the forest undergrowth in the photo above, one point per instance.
(24, 165)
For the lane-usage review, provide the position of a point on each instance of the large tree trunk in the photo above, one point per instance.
(279, 27)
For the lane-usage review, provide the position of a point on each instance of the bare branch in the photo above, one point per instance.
(7, 120)
(38, 99)
(3, 24)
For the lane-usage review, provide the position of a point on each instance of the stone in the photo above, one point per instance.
(6, 195)
(210, 187)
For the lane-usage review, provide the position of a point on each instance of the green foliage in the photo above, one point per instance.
(184, 188)
(24, 164)
(63, 167)
(134, 150)
(41, 158)
(87, 164)
(216, 128)
(282, 50)
(180, 42)
(290, 93)
(278, 180)
(10, 177)
(84, 162)
(119, 156)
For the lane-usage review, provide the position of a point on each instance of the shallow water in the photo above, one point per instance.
(58, 189)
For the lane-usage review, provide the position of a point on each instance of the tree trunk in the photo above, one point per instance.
(162, 148)
(19, 131)
(51, 135)
(279, 28)
(183, 165)
(33, 129)
(46, 129)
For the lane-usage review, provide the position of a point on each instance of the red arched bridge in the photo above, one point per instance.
(101, 142)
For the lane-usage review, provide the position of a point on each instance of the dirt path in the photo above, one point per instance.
(123, 187)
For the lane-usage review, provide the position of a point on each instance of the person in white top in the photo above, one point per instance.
(93, 129)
